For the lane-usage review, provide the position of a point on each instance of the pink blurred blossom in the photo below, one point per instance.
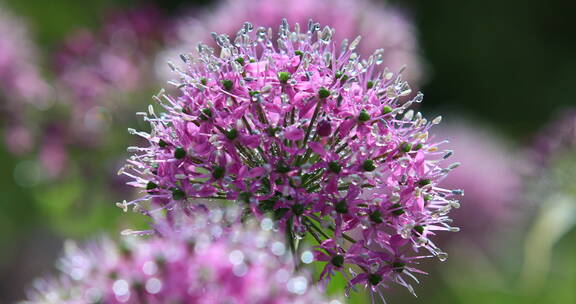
(202, 261)
(20, 78)
(489, 171)
(22, 87)
(96, 69)
(381, 25)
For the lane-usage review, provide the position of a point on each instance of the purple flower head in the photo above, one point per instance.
(203, 261)
(381, 26)
(248, 128)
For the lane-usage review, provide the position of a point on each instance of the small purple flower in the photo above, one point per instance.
(203, 261)
(245, 129)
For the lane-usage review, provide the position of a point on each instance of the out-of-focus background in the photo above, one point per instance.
(502, 74)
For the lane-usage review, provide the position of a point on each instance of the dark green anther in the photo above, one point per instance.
(424, 182)
(113, 274)
(162, 144)
(218, 172)
(344, 79)
(253, 93)
(298, 53)
(203, 81)
(334, 167)
(266, 205)
(370, 84)
(227, 84)
(240, 60)
(283, 77)
(368, 165)
(232, 134)
(363, 116)
(282, 168)
(374, 279)
(419, 229)
(272, 131)
(428, 197)
(279, 213)
(398, 266)
(376, 217)
(124, 249)
(178, 194)
(386, 110)
(417, 147)
(338, 74)
(179, 153)
(245, 197)
(298, 209)
(151, 185)
(337, 260)
(405, 147)
(206, 114)
(138, 287)
(160, 261)
(323, 93)
(397, 209)
(341, 207)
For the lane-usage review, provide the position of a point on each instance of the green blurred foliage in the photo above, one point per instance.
(507, 62)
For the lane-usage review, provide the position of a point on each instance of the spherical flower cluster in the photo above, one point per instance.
(201, 262)
(383, 26)
(309, 133)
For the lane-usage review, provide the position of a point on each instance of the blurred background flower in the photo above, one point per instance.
(22, 84)
(381, 25)
(490, 174)
(73, 73)
(195, 261)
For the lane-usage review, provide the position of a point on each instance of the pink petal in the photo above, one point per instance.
(294, 133)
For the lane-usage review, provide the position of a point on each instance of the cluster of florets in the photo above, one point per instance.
(385, 26)
(200, 261)
(309, 134)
